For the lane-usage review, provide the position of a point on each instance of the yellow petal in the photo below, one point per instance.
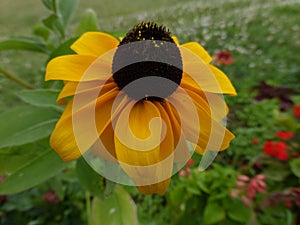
(204, 75)
(224, 82)
(94, 43)
(80, 68)
(146, 152)
(213, 103)
(105, 146)
(68, 67)
(197, 49)
(79, 128)
(90, 89)
(181, 154)
(204, 130)
(175, 40)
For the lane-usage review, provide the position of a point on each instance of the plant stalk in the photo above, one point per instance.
(16, 79)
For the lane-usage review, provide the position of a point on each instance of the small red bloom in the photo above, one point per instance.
(277, 149)
(224, 58)
(297, 111)
(51, 197)
(285, 135)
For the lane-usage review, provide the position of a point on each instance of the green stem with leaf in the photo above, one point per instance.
(16, 79)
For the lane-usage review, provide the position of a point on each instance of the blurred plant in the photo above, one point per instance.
(266, 91)
(247, 187)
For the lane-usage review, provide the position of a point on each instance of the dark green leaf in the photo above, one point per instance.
(22, 43)
(66, 9)
(117, 209)
(41, 98)
(295, 166)
(33, 173)
(25, 124)
(88, 177)
(237, 211)
(63, 49)
(88, 22)
(213, 213)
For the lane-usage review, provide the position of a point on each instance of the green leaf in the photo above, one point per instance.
(42, 31)
(88, 177)
(237, 211)
(88, 22)
(13, 158)
(117, 209)
(33, 173)
(50, 4)
(54, 23)
(63, 49)
(66, 9)
(25, 124)
(295, 166)
(41, 98)
(213, 213)
(23, 43)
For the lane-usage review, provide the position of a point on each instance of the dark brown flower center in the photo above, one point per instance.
(147, 64)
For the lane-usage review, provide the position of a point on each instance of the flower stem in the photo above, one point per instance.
(16, 79)
(88, 207)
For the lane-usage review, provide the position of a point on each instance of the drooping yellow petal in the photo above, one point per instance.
(94, 43)
(79, 127)
(145, 152)
(105, 146)
(197, 49)
(213, 103)
(207, 132)
(181, 153)
(80, 68)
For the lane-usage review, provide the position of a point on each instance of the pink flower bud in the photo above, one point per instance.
(246, 201)
(243, 178)
(182, 173)
(261, 177)
(240, 184)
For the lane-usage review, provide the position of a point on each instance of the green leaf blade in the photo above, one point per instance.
(41, 98)
(117, 209)
(33, 173)
(22, 43)
(26, 124)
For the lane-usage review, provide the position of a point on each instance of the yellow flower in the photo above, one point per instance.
(136, 103)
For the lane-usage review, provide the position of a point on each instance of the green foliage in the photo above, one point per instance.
(118, 208)
(88, 22)
(34, 172)
(23, 43)
(25, 124)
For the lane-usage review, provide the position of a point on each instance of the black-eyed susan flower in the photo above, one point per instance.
(138, 102)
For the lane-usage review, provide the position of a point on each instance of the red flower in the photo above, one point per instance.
(277, 149)
(224, 58)
(51, 197)
(285, 135)
(297, 111)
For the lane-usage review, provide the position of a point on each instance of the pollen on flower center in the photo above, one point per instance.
(147, 63)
